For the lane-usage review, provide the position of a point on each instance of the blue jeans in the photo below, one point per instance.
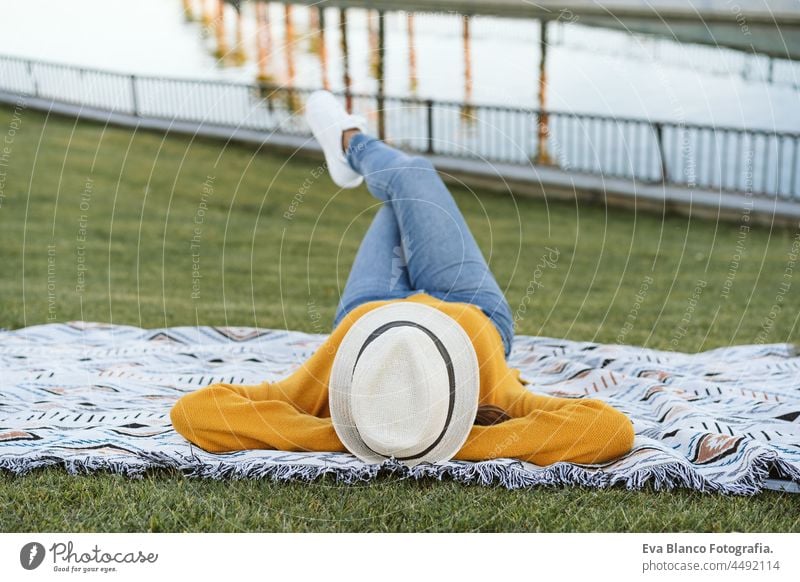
(418, 240)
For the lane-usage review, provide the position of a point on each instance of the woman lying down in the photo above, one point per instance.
(415, 368)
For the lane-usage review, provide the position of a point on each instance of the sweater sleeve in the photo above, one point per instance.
(547, 430)
(231, 417)
(290, 415)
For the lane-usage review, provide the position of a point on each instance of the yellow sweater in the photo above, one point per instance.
(292, 414)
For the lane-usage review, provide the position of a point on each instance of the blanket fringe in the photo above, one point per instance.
(506, 473)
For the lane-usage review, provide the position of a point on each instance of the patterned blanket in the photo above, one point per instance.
(91, 396)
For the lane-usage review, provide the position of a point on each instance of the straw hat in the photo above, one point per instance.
(404, 384)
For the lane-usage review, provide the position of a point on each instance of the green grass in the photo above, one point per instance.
(167, 502)
(260, 268)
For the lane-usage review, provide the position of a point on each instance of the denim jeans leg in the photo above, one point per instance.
(441, 253)
(379, 270)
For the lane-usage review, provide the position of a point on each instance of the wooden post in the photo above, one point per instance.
(240, 54)
(262, 41)
(289, 47)
(323, 48)
(188, 9)
(348, 97)
(467, 111)
(543, 121)
(222, 41)
(381, 75)
(372, 39)
(413, 81)
(208, 12)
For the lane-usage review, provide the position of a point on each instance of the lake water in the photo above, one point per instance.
(482, 59)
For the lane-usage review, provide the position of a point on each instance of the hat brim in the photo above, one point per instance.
(457, 346)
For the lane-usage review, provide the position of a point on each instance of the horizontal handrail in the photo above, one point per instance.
(420, 101)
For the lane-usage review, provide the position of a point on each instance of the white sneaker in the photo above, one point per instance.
(328, 119)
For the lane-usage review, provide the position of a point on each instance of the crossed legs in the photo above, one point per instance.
(418, 240)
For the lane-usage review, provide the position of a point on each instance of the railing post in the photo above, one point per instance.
(429, 124)
(659, 129)
(33, 79)
(270, 96)
(81, 86)
(134, 99)
(348, 100)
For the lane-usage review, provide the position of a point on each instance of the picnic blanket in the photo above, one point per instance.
(93, 396)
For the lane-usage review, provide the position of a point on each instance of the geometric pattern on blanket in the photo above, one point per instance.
(93, 396)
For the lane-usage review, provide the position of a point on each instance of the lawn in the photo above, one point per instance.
(107, 224)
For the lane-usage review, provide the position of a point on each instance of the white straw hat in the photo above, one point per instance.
(404, 384)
